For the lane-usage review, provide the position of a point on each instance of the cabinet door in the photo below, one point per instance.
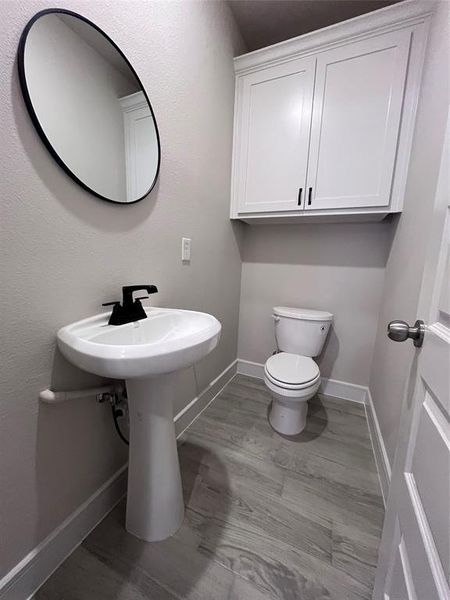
(356, 118)
(273, 137)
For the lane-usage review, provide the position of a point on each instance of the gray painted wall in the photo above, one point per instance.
(65, 252)
(392, 362)
(333, 267)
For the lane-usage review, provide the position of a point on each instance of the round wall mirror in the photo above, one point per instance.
(89, 106)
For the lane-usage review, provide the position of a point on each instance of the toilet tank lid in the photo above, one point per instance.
(302, 313)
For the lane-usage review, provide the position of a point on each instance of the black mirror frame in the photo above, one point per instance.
(34, 117)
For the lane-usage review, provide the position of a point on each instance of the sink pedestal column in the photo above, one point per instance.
(155, 507)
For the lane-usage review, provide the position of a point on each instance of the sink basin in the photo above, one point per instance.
(146, 354)
(168, 340)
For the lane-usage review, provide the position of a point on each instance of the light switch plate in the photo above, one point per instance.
(186, 249)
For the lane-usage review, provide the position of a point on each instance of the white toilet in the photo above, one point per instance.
(291, 375)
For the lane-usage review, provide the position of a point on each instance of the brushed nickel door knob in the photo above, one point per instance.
(400, 331)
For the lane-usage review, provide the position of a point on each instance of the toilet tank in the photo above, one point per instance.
(301, 330)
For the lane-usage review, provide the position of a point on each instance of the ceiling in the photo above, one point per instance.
(266, 22)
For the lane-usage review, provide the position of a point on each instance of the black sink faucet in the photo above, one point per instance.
(131, 309)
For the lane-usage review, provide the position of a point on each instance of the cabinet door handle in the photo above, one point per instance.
(309, 196)
(300, 192)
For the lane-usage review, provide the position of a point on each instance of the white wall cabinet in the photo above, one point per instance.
(277, 110)
(324, 122)
(357, 108)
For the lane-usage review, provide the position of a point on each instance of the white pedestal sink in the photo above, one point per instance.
(146, 353)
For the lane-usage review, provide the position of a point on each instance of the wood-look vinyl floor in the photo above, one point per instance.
(267, 517)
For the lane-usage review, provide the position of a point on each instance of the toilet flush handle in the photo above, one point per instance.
(276, 318)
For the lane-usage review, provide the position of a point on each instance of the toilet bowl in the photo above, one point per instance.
(292, 380)
(291, 374)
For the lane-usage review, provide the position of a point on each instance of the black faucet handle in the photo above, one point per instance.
(115, 303)
(141, 298)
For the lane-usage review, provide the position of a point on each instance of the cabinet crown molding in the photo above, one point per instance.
(402, 15)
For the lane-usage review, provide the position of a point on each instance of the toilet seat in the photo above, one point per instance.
(291, 371)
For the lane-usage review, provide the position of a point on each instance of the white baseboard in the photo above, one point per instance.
(330, 387)
(379, 449)
(252, 369)
(343, 390)
(191, 412)
(37, 566)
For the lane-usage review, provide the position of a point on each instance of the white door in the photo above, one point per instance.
(356, 119)
(141, 145)
(274, 123)
(141, 152)
(414, 559)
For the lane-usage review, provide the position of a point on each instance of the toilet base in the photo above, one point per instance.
(288, 419)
